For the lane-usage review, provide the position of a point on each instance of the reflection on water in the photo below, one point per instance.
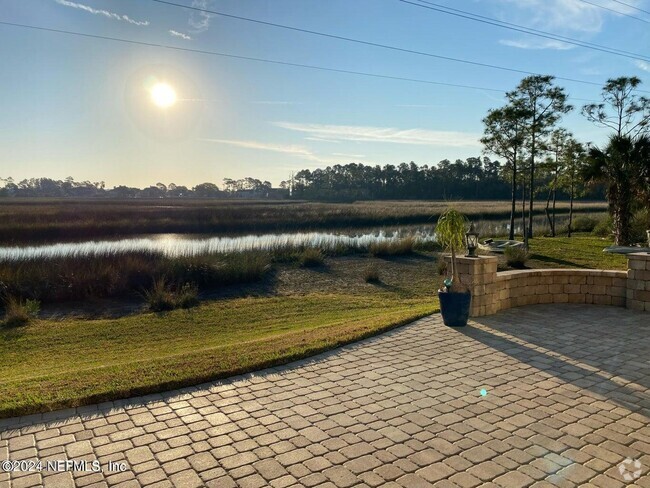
(175, 245)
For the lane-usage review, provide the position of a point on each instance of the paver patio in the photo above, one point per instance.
(568, 399)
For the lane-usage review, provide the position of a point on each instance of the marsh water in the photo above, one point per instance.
(177, 245)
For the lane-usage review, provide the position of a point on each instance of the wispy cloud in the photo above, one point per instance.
(287, 149)
(536, 44)
(643, 65)
(572, 18)
(321, 139)
(385, 134)
(179, 34)
(104, 13)
(200, 21)
(295, 150)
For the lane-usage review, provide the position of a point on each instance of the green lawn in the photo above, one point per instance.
(54, 364)
(579, 251)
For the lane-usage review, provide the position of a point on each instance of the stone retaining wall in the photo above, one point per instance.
(492, 291)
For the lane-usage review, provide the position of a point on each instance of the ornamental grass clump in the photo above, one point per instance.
(516, 257)
(311, 258)
(19, 312)
(450, 232)
(371, 275)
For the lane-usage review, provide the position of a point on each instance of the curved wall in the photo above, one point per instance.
(492, 291)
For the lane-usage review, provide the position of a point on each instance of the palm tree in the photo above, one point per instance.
(620, 167)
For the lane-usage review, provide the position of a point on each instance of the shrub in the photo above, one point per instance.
(18, 312)
(371, 275)
(311, 258)
(392, 248)
(441, 266)
(187, 296)
(516, 257)
(160, 297)
(583, 223)
(604, 227)
(163, 296)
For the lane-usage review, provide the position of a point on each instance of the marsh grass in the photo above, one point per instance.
(42, 220)
(19, 312)
(392, 248)
(371, 274)
(311, 258)
(163, 296)
(64, 279)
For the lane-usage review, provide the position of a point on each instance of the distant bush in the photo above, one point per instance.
(311, 258)
(162, 296)
(18, 312)
(392, 248)
(604, 227)
(583, 223)
(516, 257)
(187, 296)
(441, 266)
(422, 245)
(371, 275)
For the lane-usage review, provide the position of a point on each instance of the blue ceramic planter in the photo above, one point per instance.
(454, 308)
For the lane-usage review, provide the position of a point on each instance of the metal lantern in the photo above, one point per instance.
(471, 239)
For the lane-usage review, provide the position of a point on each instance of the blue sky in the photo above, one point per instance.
(78, 107)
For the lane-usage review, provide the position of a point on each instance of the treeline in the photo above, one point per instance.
(47, 187)
(472, 179)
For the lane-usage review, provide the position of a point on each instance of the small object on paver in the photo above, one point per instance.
(483, 392)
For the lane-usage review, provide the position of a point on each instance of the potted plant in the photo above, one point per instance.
(455, 297)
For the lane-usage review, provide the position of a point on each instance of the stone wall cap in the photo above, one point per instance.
(562, 271)
(474, 259)
(639, 255)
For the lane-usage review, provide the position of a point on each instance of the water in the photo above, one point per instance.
(175, 245)
(183, 245)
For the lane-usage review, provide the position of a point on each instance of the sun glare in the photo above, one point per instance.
(163, 95)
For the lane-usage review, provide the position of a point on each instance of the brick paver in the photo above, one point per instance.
(568, 399)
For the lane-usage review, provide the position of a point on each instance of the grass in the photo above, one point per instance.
(516, 257)
(311, 258)
(41, 220)
(19, 312)
(56, 364)
(163, 297)
(371, 275)
(392, 248)
(579, 251)
(78, 278)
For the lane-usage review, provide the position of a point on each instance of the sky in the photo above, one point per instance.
(82, 106)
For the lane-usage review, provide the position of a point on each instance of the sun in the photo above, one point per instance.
(163, 95)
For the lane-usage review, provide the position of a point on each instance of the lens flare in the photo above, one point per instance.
(163, 95)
